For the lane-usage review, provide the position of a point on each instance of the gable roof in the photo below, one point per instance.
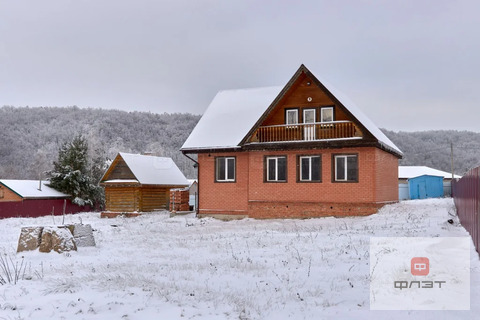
(234, 114)
(229, 117)
(407, 172)
(28, 189)
(150, 170)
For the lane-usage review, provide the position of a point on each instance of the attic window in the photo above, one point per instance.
(326, 114)
(291, 116)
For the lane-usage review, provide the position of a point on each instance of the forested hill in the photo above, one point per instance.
(432, 149)
(31, 137)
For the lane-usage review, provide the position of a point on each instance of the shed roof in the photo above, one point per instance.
(233, 113)
(407, 172)
(151, 170)
(29, 189)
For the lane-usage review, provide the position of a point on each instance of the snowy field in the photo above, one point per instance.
(157, 267)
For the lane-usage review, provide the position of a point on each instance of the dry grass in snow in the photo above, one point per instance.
(156, 267)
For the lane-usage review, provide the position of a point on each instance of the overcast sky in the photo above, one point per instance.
(409, 65)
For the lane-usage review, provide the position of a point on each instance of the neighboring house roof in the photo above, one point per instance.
(28, 189)
(233, 114)
(151, 170)
(407, 172)
(192, 181)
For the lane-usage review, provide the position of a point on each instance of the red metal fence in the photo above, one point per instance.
(37, 208)
(466, 193)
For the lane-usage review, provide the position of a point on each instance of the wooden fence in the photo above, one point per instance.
(466, 193)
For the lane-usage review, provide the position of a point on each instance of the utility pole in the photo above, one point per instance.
(451, 156)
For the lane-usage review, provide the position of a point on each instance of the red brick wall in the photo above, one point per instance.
(317, 192)
(386, 176)
(222, 197)
(377, 182)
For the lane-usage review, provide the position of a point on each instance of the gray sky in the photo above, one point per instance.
(409, 65)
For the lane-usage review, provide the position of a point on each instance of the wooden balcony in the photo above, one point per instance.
(334, 130)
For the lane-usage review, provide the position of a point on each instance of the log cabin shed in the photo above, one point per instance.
(33, 198)
(140, 183)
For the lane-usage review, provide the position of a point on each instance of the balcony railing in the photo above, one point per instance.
(334, 130)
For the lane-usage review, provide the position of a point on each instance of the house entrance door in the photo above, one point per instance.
(309, 124)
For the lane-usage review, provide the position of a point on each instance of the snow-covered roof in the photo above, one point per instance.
(229, 117)
(233, 113)
(361, 117)
(121, 181)
(192, 181)
(153, 170)
(407, 172)
(29, 189)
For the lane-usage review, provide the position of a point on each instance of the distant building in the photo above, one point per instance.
(193, 189)
(410, 187)
(140, 183)
(33, 198)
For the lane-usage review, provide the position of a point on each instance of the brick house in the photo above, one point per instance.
(299, 151)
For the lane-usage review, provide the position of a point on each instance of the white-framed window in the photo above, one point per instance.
(276, 169)
(310, 168)
(225, 169)
(291, 116)
(326, 114)
(346, 168)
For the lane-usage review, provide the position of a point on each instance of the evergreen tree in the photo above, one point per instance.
(72, 173)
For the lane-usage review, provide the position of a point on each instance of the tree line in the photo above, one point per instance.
(32, 138)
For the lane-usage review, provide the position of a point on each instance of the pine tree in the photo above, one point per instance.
(72, 173)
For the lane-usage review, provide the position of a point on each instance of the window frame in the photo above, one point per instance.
(225, 158)
(326, 108)
(292, 125)
(334, 167)
(266, 168)
(299, 168)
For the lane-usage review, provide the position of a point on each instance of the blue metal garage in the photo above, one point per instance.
(425, 186)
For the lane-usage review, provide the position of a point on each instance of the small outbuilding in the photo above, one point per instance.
(407, 173)
(425, 186)
(140, 183)
(33, 198)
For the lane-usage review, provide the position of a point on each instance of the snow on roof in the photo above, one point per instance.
(407, 172)
(192, 181)
(29, 189)
(232, 114)
(154, 170)
(121, 181)
(361, 117)
(229, 117)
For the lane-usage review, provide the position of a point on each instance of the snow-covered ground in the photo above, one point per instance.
(156, 267)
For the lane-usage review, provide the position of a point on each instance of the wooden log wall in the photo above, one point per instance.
(141, 199)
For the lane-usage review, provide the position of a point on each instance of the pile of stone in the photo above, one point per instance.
(58, 238)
